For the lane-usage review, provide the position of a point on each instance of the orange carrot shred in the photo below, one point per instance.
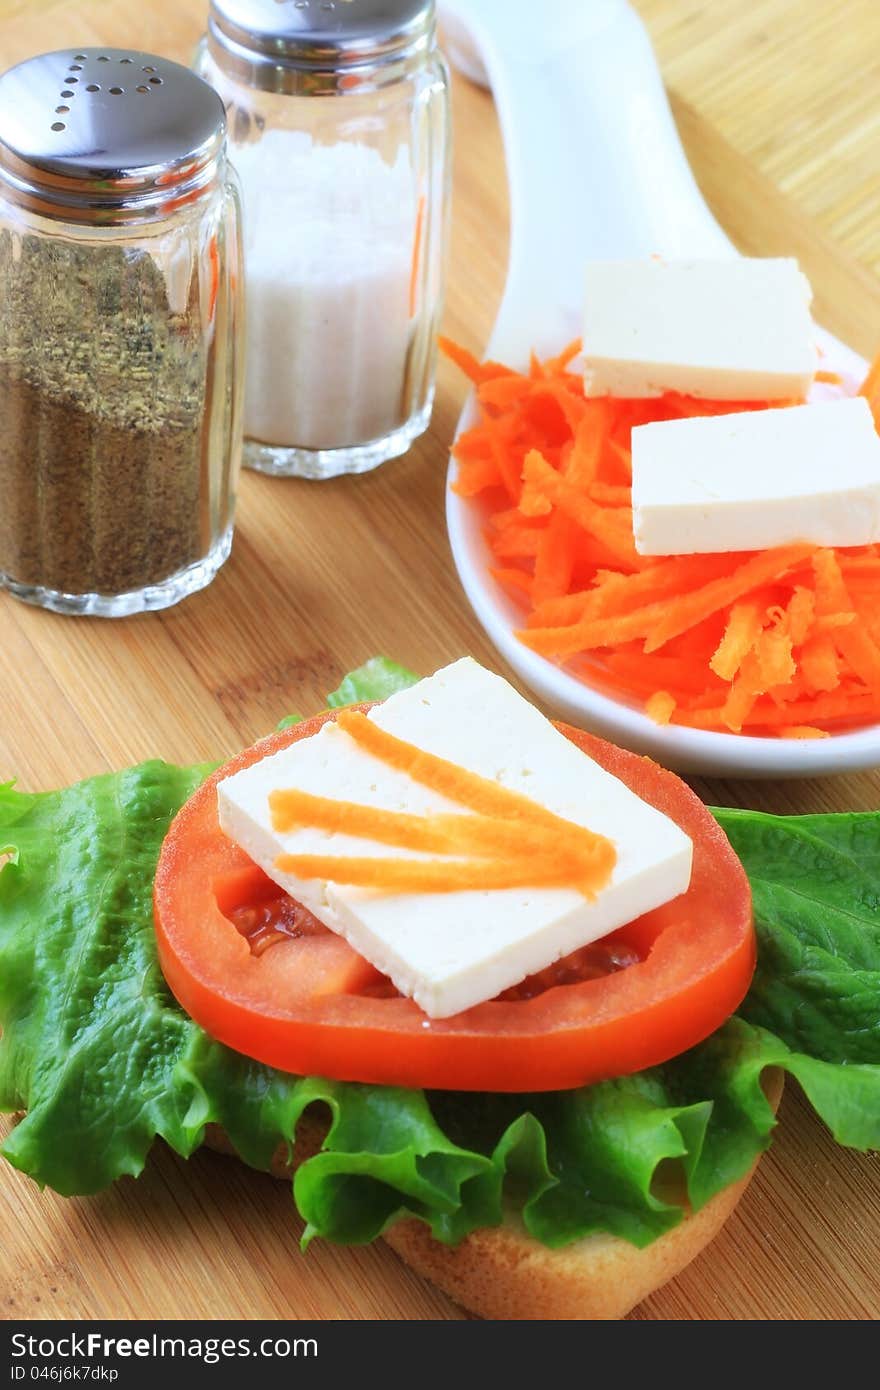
(470, 365)
(740, 635)
(516, 582)
(430, 876)
(660, 706)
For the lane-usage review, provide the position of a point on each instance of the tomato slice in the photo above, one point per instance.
(257, 972)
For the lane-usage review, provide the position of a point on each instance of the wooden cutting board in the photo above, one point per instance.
(324, 575)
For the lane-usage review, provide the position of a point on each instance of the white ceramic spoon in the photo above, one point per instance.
(595, 169)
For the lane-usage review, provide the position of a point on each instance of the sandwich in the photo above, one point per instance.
(497, 992)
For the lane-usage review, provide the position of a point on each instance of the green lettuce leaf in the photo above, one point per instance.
(103, 1061)
(375, 680)
(816, 887)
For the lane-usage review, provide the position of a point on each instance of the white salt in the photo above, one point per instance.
(329, 246)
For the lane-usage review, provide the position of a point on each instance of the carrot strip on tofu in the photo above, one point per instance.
(466, 788)
(773, 642)
(510, 842)
(432, 876)
(474, 835)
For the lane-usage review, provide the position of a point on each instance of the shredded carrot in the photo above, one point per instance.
(517, 582)
(660, 706)
(544, 487)
(476, 370)
(740, 635)
(771, 642)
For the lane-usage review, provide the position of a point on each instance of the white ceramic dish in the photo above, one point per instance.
(596, 169)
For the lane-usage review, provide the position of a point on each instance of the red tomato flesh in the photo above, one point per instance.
(260, 974)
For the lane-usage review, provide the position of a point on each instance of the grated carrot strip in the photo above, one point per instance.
(801, 614)
(533, 498)
(660, 706)
(502, 392)
(438, 876)
(516, 582)
(740, 635)
(554, 561)
(773, 650)
(853, 641)
(558, 364)
(516, 542)
(819, 663)
(475, 475)
(747, 685)
(475, 835)
(469, 364)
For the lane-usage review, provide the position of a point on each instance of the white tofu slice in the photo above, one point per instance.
(735, 329)
(452, 950)
(757, 479)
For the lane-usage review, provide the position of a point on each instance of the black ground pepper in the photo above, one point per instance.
(103, 398)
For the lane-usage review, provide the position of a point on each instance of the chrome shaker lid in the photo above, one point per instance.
(302, 45)
(107, 135)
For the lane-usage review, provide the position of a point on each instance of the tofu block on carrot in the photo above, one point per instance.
(757, 479)
(736, 329)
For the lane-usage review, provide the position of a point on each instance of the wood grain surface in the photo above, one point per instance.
(772, 95)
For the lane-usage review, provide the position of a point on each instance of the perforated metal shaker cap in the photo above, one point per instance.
(303, 45)
(107, 135)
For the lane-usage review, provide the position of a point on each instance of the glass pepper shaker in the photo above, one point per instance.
(339, 119)
(121, 332)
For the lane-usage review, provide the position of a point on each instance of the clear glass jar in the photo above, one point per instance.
(121, 332)
(339, 130)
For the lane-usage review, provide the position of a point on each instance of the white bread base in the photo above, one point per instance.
(502, 1272)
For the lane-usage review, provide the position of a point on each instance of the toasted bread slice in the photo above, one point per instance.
(503, 1272)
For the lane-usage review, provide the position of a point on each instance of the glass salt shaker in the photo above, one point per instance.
(121, 332)
(339, 129)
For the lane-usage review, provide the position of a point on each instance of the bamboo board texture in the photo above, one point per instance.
(777, 103)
